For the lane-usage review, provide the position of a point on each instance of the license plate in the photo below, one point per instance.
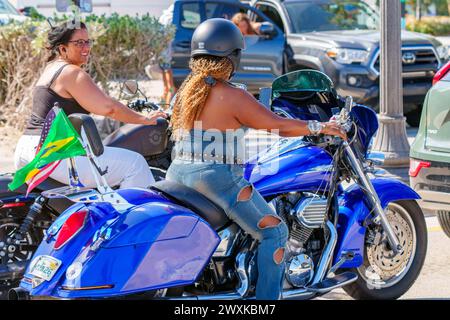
(45, 267)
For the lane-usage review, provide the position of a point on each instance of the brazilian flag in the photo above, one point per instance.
(62, 142)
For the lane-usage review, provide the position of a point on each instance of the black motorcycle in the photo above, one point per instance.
(24, 219)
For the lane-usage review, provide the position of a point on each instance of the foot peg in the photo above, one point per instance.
(337, 281)
(346, 256)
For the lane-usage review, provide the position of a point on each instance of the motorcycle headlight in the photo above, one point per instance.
(348, 56)
(442, 52)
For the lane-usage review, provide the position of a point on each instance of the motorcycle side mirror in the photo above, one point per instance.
(130, 87)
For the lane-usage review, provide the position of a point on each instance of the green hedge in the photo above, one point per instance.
(123, 46)
(436, 26)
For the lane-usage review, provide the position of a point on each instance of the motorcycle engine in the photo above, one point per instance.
(303, 214)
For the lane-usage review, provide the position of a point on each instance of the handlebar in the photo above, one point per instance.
(141, 105)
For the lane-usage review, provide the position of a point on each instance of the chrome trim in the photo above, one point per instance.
(281, 111)
(242, 274)
(311, 212)
(297, 293)
(300, 270)
(373, 197)
(221, 296)
(228, 239)
(331, 288)
(377, 54)
(327, 254)
(240, 292)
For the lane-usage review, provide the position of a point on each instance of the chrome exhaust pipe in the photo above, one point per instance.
(14, 270)
(18, 294)
(221, 296)
(241, 290)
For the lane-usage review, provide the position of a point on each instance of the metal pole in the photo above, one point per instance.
(391, 138)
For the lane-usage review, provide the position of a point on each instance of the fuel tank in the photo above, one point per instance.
(290, 165)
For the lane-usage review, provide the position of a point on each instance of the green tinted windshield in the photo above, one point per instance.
(302, 80)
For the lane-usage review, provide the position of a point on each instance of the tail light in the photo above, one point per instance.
(441, 72)
(70, 228)
(416, 165)
(12, 205)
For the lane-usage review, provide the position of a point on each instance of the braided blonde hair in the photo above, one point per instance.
(194, 91)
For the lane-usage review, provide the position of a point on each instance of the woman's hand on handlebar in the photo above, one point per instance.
(333, 129)
(137, 105)
(153, 117)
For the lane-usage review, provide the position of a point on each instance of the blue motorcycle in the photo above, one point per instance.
(346, 228)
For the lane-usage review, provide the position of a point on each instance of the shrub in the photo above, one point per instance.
(436, 26)
(123, 46)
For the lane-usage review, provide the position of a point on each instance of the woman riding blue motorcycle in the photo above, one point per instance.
(207, 98)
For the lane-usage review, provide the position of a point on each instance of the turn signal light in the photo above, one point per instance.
(70, 228)
(441, 73)
(416, 165)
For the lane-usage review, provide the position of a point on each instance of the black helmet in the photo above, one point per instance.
(218, 37)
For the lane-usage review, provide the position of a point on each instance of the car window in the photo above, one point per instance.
(221, 10)
(325, 16)
(190, 15)
(272, 13)
(7, 8)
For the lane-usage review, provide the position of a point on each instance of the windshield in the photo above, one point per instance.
(7, 8)
(302, 80)
(331, 15)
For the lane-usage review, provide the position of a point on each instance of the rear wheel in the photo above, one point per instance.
(383, 274)
(14, 253)
(444, 221)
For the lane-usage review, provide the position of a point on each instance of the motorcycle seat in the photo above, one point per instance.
(49, 184)
(195, 201)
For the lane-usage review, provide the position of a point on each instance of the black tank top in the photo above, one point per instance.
(44, 99)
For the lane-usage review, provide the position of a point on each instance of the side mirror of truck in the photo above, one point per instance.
(267, 29)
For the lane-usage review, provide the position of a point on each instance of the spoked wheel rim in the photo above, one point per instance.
(382, 268)
(22, 252)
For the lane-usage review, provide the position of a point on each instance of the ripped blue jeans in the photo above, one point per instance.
(223, 184)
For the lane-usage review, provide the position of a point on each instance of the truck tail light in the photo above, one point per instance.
(416, 165)
(70, 228)
(441, 72)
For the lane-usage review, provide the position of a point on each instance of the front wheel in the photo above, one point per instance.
(383, 274)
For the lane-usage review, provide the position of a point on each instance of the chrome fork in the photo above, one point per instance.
(373, 198)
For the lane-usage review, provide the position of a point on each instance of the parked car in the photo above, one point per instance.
(8, 13)
(339, 38)
(430, 152)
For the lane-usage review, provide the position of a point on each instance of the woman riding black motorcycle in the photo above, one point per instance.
(207, 105)
(64, 82)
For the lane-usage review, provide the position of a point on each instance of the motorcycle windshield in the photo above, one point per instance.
(302, 80)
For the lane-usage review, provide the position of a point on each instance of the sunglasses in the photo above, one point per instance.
(83, 43)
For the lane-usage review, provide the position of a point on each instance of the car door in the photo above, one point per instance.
(187, 16)
(262, 59)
